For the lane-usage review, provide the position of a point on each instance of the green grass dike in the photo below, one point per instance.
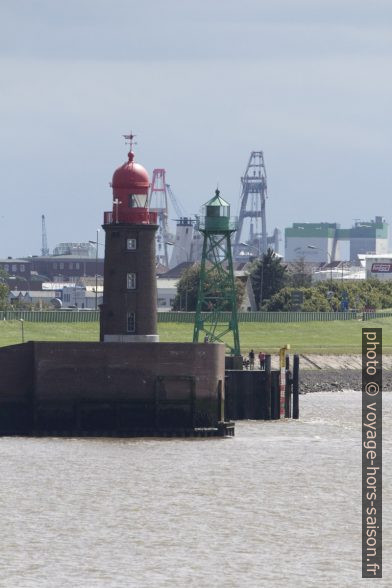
(335, 337)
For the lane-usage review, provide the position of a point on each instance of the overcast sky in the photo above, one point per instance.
(202, 83)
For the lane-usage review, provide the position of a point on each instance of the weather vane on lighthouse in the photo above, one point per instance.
(130, 139)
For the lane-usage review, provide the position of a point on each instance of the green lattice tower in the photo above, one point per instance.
(216, 294)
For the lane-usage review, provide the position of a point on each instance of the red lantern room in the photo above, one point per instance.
(130, 186)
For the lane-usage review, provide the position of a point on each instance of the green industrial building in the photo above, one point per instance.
(320, 242)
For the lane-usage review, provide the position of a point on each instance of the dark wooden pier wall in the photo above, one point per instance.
(248, 396)
(255, 394)
(112, 388)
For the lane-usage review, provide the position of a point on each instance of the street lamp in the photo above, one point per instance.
(327, 252)
(187, 253)
(96, 243)
(250, 247)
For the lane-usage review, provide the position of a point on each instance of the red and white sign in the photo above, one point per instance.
(381, 268)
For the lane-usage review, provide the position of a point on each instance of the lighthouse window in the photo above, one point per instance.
(137, 200)
(131, 281)
(131, 322)
(131, 244)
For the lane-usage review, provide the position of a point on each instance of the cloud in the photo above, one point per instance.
(202, 86)
(177, 30)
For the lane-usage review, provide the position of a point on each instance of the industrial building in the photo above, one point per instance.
(65, 267)
(320, 242)
(378, 266)
(16, 267)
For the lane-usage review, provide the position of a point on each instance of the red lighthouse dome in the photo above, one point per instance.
(130, 186)
(130, 178)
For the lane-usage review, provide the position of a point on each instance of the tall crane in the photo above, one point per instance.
(158, 203)
(44, 248)
(160, 194)
(252, 207)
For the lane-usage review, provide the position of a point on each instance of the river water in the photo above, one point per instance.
(277, 505)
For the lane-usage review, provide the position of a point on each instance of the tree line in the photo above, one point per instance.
(276, 287)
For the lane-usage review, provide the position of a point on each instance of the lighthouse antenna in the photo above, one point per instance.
(129, 139)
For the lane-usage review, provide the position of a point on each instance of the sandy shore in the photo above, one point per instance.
(314, 361)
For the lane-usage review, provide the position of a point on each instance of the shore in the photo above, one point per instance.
(335, 372)
(338, 380)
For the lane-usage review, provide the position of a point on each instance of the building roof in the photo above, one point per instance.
(161, 269)
(33, 293)
(62, 258)
(10, 260)
(176, 272)
(217, 200)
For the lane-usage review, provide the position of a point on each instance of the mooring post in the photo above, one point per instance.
(221, 402)
(296, 387)
(282, 380)
(268, 386)
(287, 406)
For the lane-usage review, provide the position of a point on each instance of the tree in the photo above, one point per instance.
(4, 290)
(4, 297)
(268, 276)
(299, 275)
(328, 296)
(313, 300)
(187, 288)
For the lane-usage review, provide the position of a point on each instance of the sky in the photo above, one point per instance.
(202, 83)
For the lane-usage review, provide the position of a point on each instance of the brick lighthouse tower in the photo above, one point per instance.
(128, 312)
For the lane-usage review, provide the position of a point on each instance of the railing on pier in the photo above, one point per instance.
(51, 316)
(261, 316)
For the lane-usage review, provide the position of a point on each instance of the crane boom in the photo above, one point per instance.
(174, 201)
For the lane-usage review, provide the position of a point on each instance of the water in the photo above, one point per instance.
(278, 505)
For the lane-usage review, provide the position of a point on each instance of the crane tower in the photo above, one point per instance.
(252, 216)
(160, 194)
(44, 248)
(158, 204)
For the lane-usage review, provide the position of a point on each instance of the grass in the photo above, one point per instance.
(11, 332)
(335, 337)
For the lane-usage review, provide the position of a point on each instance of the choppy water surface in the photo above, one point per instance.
(278, 505)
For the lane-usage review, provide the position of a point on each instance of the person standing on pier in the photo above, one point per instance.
(251, 359)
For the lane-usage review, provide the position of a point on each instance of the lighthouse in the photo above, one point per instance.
(128, 312)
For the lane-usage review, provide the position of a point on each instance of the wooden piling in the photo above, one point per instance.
(221, 402)
(296, 387)
(287, 400)
(282, 380)
(268, 387)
